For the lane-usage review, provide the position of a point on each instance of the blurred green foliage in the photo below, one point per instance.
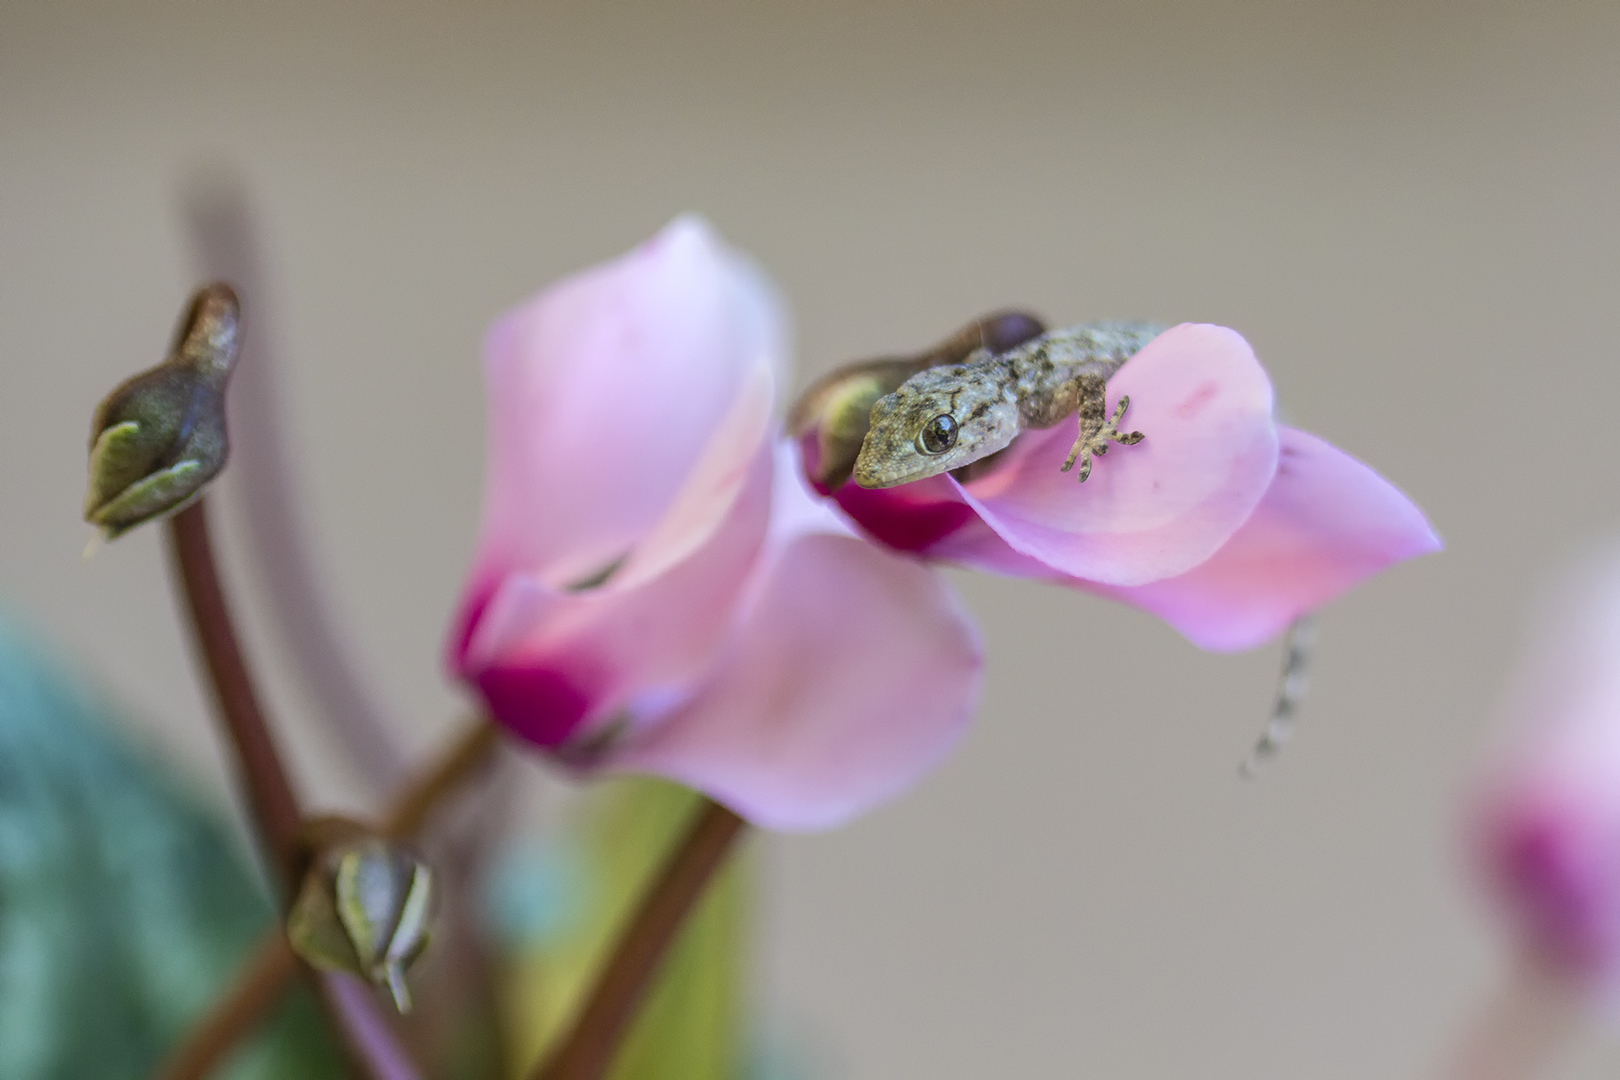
(125, 902)
(691, 1024)
(127, 905)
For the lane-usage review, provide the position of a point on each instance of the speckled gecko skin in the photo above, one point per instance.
(948, 417)
(838, 406)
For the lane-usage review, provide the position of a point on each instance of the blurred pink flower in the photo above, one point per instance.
(655, 590)
(1546, 823)
(1221, 522)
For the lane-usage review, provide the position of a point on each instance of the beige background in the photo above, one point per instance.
(1409, 209)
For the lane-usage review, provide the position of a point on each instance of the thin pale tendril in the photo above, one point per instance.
(1291, 687)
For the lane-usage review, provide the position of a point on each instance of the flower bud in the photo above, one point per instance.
(838, 406)
(364, 907)
(159, 438)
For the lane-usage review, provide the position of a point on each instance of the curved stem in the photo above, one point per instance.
(265, 975)
(587, 1050)
(270, 797)
(410, 809)
(219, 218)
(367, 1040)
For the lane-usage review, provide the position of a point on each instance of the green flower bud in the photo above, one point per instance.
(838, 406)
(364, 907)
(838, 409)
(159, 438)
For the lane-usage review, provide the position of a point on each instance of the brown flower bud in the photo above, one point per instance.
(159, 438)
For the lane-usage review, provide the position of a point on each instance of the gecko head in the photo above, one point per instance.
(938, 420)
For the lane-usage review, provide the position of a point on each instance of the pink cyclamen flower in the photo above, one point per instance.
(655, 590)
(1222, 522)
(1546, 824)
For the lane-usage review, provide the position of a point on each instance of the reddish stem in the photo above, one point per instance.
(270, 797)
(263, 978)
(225, 238)
(367, 1039)
(410, 809)
(587, 1050)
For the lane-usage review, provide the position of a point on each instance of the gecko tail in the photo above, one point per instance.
(1292, 685)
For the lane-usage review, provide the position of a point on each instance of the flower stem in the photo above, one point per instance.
(265, 975)
(1517, 1032)
(587, 1050)
(218, 211)
(271, 802)
(367, 1040)
(410, 809)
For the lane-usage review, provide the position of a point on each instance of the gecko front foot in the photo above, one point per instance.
(1097, 429)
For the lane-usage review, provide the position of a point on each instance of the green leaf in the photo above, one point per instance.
(125, 904)
(692, 1023)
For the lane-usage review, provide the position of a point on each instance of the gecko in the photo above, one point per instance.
(945, 418)
(893, 420)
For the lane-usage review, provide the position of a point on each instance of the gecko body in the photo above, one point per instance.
(948, 417)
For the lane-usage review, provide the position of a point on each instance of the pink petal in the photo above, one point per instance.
(853, 674)
(606, 389)
(1326, 523)
(1548, 859)
(797, 509)
(1161, 507)
(629, 414)
(551, 662)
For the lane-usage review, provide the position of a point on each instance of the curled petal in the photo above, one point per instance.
(629, 483)
(1159, 508)
(1326, 523)
(797, 507)
(551, 661)
(605, 391)
(852, 674)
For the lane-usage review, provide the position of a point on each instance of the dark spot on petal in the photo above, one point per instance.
(1194, 402)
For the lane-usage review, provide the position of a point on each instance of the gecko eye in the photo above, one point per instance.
(938, 435)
